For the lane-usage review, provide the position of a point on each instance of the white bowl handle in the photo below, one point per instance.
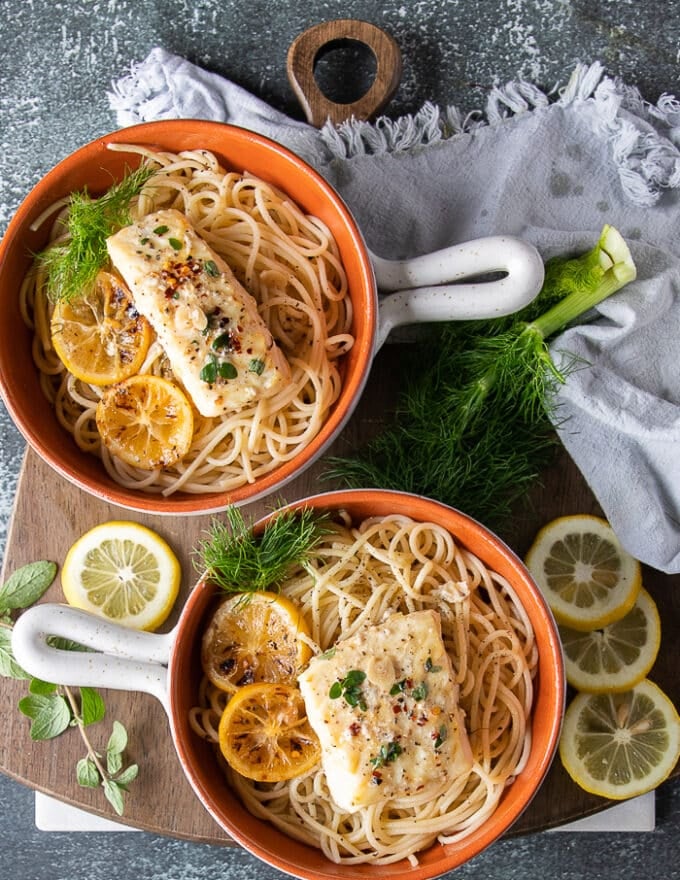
(427, 292)
(123, 659)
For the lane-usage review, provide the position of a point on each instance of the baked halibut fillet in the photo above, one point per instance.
(384, 704)
(219, 347)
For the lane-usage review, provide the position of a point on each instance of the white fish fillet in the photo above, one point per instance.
(219, 347)
(405, 734)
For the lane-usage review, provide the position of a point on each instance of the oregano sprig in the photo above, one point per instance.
(54, 708)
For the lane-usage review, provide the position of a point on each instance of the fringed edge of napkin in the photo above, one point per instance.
(648, 161)
(643, 137)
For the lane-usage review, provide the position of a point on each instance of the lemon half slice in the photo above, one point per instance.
(615, 657)
(124, 572)
(587, 577)
(621, 745)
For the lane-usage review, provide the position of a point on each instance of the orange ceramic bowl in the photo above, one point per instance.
(95, 167)
(273, 846)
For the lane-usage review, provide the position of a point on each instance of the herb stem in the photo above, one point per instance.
(91, 753)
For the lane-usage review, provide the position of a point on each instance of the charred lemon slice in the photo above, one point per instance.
(265, 735)
(100, 337)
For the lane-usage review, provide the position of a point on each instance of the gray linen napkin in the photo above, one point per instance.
(551, 169)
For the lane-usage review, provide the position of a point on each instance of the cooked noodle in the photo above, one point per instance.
(288, 262)
(358, 576)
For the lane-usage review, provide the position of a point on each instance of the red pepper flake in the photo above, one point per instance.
(354, 728)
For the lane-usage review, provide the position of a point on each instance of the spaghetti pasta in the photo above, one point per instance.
(287, 260)
(361, 574)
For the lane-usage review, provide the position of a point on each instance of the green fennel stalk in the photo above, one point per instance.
(473, 427)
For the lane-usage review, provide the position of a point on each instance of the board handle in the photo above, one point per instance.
(305, 51)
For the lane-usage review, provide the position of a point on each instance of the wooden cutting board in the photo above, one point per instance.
(50, 514)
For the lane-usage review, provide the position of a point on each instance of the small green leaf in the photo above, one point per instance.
(419, 692)
(114, 762)
(175, 244)
(65, 644)
(127, 776)
(209, 372)
(160, 230)
(226, 370)
(51, 715)
(37, 686)
(9, 668)
(118, 739)
(92, 708)
(256, 365)
(26, 585)
(224, 340)
(114, 795)
(87, 773)
(211, 268)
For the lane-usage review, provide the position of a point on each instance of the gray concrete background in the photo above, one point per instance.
(58, 60)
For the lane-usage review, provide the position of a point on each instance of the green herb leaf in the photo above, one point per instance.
(175, 244)
(256, 365)
(224, 340)
(210, 267)
(72, 268)
(66, 644)
(92, 708)
(388, 752)
(227, 370)
(118, 739)
(127, 776)
(430, 667)
(419, 692)
(161, 230)
(9, 668)
(114, 762)
(38, 686)
(87, 773)
(350, 688)
(441, 738)
(114, 795)
(26, 585)
(209, 372)
(51, 715)
(238, 560)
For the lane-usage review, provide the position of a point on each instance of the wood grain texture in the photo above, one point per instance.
(305, 51)
(50, 514)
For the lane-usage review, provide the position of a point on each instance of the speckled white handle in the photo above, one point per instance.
(123, 659)
(427, 288)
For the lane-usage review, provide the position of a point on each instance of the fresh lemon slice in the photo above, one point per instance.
(122, 571)
(254, 637)
(587, 577)
(146, 421)
(615, 657)
(264, 733)
(100, 337)
(621, 745)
